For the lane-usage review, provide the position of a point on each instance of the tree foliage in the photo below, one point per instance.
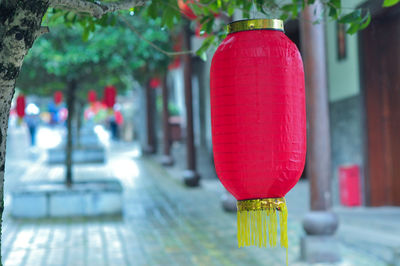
(110, 55)
(210, 12)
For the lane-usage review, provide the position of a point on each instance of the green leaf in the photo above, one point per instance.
(201, 52)
(387, 3)
(208, 26)
(203, 56)
(366, 20)
(103, 21)
(231, 10)
(113, 20)
(152, 10)
(287, 7)
(354, 27)
(197, 9)
(85, 34)
(333, 12)
(335, 3)
(351, 17)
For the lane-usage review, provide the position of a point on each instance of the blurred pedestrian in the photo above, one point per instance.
(32, 120)
(114, 128)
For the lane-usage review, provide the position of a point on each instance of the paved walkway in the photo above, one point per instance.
(164, 223)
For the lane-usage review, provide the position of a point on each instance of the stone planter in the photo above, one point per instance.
(82, 199)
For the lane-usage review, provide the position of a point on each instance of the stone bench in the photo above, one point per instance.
(80, 155)
(82, 199)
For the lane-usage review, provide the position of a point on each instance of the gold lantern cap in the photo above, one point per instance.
(261, 204)
(255, 24)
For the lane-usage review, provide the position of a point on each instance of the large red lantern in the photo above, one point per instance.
(58, 97)
(92, 96)
(20, 106)
(110, 94)
(258, 125)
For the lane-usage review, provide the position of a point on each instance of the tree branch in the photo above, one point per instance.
(97, 8)
(43, 30)
(140, 36)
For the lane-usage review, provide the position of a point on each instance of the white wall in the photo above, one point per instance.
(344, 79)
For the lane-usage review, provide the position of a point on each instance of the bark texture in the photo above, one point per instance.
(96, 8)
(19, 27)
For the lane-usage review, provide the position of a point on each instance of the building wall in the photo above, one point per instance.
(344, 81)
(346, 103)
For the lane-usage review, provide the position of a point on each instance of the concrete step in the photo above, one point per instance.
(384, 245)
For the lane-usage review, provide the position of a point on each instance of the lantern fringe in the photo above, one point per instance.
(257, 221)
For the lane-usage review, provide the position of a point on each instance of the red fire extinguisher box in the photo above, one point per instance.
(349, 183)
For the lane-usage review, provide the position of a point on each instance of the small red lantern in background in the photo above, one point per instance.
(110, 94)
(92, 96)
(177, 48)
(119, 119)
(20, 107)
(155, 83)
(186, 10)
(175, 64)
(58, 97)
(258, 125)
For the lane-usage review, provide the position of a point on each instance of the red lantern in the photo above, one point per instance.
(186, 10)
(155, 83)
(119, 119)
(258, 124)
(175, 64)
(20, 106)
(177, 48)
(110, 93)
(58, 97)
(92, 96)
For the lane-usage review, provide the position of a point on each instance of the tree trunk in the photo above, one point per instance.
(6, 94)
(69, 145)
(19, 27)
(79, 123)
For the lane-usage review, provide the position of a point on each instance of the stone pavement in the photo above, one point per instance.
(164, 223)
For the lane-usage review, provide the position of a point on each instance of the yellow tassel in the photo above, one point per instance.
(258, 223)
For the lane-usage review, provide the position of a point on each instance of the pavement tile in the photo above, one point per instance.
(164, 223)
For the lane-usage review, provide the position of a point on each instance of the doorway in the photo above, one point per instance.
(380, 68)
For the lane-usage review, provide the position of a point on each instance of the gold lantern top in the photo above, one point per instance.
(255, 24)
